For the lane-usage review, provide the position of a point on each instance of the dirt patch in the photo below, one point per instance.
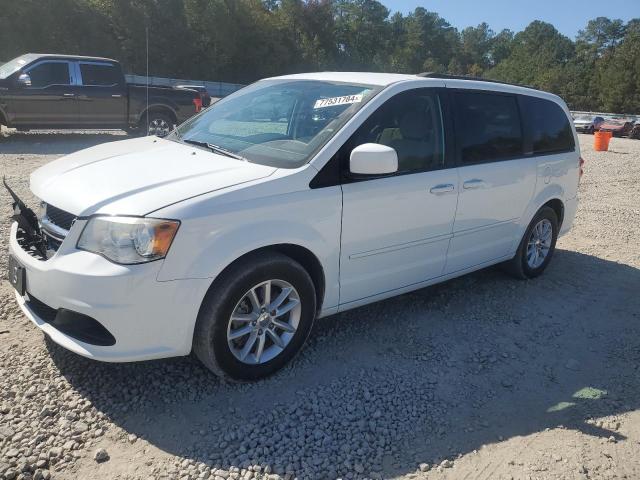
(480, 377)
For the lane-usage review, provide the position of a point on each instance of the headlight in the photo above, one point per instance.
(128, 240)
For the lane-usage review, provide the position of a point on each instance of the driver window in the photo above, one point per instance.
(410, 123)
(49, 73)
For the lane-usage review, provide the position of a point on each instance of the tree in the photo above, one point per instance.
(602, 33)
(538, 55)
(362, 31)
(475, 48)
(618, 76)
(244, 40)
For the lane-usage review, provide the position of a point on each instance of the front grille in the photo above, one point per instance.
(60, 218)
(33, 246)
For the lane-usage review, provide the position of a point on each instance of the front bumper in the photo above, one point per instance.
(148, 318)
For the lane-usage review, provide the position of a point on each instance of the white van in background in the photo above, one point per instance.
(294, 198)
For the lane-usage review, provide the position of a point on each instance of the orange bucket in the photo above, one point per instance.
(601, 141)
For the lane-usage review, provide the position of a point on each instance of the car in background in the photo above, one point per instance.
(44, 91)
(202, 90)
(619, 127)
(588, 123)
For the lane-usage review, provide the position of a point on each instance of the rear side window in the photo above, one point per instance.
(547, 125)
(105, 75)
(49, 73)
(487, 127)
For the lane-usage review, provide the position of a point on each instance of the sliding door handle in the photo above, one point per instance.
(473, 184)
(443, 188)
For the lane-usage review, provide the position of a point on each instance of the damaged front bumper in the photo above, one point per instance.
(92, 306)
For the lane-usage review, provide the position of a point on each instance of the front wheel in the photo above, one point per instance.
(537, 245)
(255, 317)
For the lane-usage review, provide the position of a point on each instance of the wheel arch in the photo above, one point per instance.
(158, 109)
(3, 118)
(557, 206)
(305, 257)
(551, 197)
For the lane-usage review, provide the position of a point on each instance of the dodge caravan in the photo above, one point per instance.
(295, 198)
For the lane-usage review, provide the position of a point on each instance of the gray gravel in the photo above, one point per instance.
(483, 376)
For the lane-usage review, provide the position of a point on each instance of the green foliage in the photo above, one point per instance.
(243, 40)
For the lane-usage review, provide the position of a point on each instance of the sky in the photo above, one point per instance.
(568, 16)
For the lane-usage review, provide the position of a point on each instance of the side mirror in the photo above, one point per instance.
(373, 159)
(24, 80)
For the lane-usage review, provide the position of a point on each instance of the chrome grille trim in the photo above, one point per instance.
(60, 218)
(52, 229)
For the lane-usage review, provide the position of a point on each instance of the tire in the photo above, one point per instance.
(520, 266)
(635, 134)
(159, 124)
(230, 295)
(591, 130)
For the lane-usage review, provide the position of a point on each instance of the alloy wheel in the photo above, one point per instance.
(264, 322)
(159, 127)
(539, 243)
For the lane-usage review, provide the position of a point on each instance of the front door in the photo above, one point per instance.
(102, 94)
(396, 229)
(49, 100)
(497, 180)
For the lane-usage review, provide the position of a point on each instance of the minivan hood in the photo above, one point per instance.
(138, 176)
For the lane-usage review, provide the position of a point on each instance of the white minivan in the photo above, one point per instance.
(295, 198)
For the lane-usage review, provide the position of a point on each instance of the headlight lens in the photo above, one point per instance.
(128, 240)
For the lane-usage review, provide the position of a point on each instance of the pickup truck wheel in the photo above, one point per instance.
(536, 247)
(255, 317)
(159, 124)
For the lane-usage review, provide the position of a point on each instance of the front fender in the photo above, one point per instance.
(205, 245)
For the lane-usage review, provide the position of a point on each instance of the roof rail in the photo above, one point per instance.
(447, 76)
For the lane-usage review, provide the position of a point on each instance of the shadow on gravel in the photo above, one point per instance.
(418, 378)
(54, 143)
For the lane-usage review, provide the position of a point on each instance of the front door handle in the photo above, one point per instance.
(443, 188)
(68, 95)
(116, 95)
(473, 184)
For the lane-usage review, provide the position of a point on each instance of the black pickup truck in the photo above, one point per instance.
(67, 92)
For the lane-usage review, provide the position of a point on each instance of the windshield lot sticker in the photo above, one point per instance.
(333, 101)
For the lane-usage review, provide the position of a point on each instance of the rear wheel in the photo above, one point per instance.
(255, 317)
(537, 245)
(159, 124)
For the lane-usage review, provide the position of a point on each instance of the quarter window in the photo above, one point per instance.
(487, 127)
(547, 125)
(49, 73)
(410, 123)
(99, 75)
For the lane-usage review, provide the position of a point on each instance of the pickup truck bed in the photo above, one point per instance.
(61, 91)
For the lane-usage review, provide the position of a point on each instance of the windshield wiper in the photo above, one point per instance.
(214, 148)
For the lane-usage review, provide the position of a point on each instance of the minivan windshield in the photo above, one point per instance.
(12, 66)
(280, 123)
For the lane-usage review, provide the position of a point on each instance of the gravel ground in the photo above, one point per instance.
(482, 377)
